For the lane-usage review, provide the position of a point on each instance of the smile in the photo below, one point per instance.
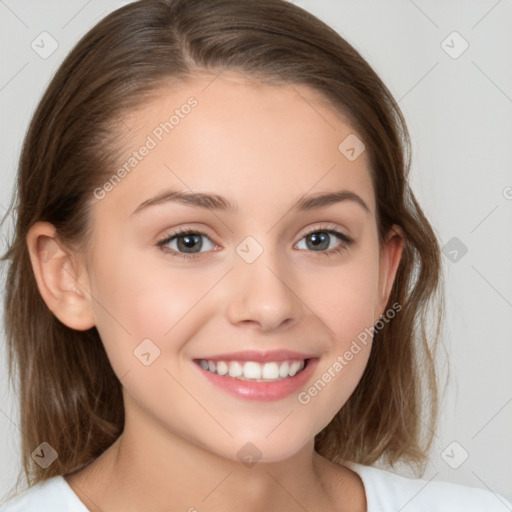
(270, 371)
(257, 375)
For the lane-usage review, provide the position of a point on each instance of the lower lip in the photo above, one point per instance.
(264, 391)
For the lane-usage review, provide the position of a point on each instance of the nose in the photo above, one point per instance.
(264, 295)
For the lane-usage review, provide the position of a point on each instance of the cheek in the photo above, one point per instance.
(144, 315)
(335, 380)
(345, 297)
(345, 300)
(134, 301)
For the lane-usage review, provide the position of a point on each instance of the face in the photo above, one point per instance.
(219, 334)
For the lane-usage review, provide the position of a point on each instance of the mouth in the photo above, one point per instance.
(260, 376)
(267, 380)
(254, 371)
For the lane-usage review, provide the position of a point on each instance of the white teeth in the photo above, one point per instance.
(222, 368)
(235, 369)
(251, 370)
(270, 371)
(294, 368)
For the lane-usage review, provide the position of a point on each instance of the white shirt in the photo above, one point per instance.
(385, 492)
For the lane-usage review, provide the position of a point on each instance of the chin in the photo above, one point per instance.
(250, 450)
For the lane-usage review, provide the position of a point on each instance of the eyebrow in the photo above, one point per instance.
(216, 202)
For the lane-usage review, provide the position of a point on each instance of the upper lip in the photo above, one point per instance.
(259, 356)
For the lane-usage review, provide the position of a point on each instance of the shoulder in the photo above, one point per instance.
(389, 492)
(49, 496)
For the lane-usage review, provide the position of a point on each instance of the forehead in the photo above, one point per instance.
(251, 142)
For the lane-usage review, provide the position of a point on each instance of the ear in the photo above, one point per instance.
(61, 277)
(391, 254)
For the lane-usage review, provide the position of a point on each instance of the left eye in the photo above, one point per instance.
(188, 243)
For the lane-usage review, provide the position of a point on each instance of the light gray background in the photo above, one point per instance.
(459, 112)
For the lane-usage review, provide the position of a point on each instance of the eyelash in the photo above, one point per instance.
(342, 247)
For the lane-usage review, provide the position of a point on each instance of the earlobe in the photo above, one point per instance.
(61, 277)
(391, 256)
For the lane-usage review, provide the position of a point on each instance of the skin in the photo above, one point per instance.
(245, 141)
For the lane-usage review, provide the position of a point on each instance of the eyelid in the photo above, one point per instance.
(173, 232)
(326, 227)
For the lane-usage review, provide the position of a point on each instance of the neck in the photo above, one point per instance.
(152, 469)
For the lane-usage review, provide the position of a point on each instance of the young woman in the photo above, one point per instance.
(219, 279)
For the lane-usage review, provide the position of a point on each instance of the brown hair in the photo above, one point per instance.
(69, 394)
